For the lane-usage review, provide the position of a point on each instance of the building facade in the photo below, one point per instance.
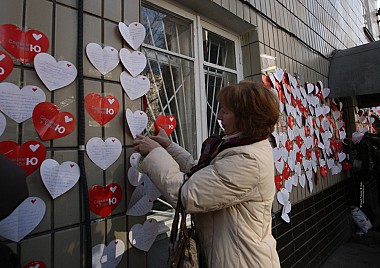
(192, 49)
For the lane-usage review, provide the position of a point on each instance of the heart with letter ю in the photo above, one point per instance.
(168, 123)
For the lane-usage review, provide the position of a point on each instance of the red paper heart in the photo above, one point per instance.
(346, 165)
(320, 95)
(299, 141)
(299, 157)
(168, 123)
(23, 45)
(266, 80)
(6, 65)
(29, 156)
(101, 109)
(281, 95)
(307, 131)
(286, 171)
(323, 170)
(308, 153)
(317, 153)
(289, 145)
(50, 123)
(103, 200)
(293, 101)
(290, 121)
(278, 181)
(35, 264)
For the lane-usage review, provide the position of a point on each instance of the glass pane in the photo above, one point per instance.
(166, 31)
(214, 81)
(172, 92)
(218, 50)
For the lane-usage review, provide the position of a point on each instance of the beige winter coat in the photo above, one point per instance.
(231, 199)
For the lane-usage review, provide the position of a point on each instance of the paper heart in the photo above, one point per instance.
(6, 65)
(357, 136)
(3, 123)
(336, 114)
(286, 93)
(266, 80)
(283, 137)
(302, 180)
(277, 154)
(291, 133)
(289, 184)
(134, 62)
(325, 124)
(286, 171)
(297, 169)
(281, 107)
(285, 217)
(143, 236)
(150, 189)
(299, 157)
(134, 34)
(137, 121)
(133, 159)
(279, 165)
(104, 59)
(134, 176)
(54, 74)
(292, 80)
(35, 264)
(168, 123)
(108, 256)
(279, 74)
(50, 123)
(323, 170)
(135, 87)
(299, 141)
(28, 156)
(310, 87)
(18, 103)
(140, 203)
(318, 111)
(58, 179)
(283, 196)
(311, 186)
(281, 96)
(103, 200)
(22, 45)
(342, 135)
(101, 109)
(341, 156)
(23, 219)
(325, 92)
(103, 153)
(289, 145)
(278, 181)
(290, 121)
(308, 153)
(346, 165)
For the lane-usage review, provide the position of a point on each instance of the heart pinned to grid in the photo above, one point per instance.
(35, 264)
(54, 74)
(134, 62)
(137, 121)
(18, 103)
(167, 123)
(108, 256)
(143, 236)
(103, 200)
(23, 220)
(103, 110)
(104, 59)
(135, 87)
(140, 203)
(103, 153)
(283, 196)
(133, 34)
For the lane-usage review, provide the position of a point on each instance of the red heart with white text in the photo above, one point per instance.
(101, 109)
(103, 200)
(29, 156)
(23, 45)
(35, 264)
(168, 123)
(50, 123)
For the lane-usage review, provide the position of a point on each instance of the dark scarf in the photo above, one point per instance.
(215, 144)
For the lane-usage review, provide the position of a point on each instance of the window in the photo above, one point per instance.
(189, 60)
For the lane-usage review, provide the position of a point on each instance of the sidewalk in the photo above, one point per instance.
(360, 251)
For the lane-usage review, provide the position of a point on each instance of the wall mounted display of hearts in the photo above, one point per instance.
(18, 103)
(24, 219)
(101, 109)
(29, 156)
(6, 65)
(143, 236)
(104, 59)
(54, 74)
(135, 87)
(103, 153)
(103, 200)
(108, 256)
(24, 46)
(50, 123)
(134, 34)
(168, 123)
(59, 178)
(134, 62)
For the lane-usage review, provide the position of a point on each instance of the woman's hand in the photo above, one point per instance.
(162, 138)
(144, 145)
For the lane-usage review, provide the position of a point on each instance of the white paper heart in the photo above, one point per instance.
(104, 59)
(308, 142)
(310, 88)
(289, 185)
(24, 219)
(290, 134)
(277, 153)
(133, 159)
(150, 189)
(325, 92)
(302, 180)
(330, 163)
(137, 121)
(325, 124)
(281, 107)
(285, 217)
(318, 111)
(357, 137)
(286, 93)
(297, 169)
(134, 176)
(279, 165)
(339, 124)
(3, 123)
(283, 196)
(134, 34)
(289, 109)
(279, 74)
(134, 62)
(293, 81)
(54, 74)
(287, 207)
(311, 186)
(108, 256)
(103, 153)
(18, 103)
(135, 87)
(283, 138)
(294, 179)
(342, 134)
(58, 179)
(141, 203)
(326, 109)
(336, 114)
(341, 156)
(143, 236)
